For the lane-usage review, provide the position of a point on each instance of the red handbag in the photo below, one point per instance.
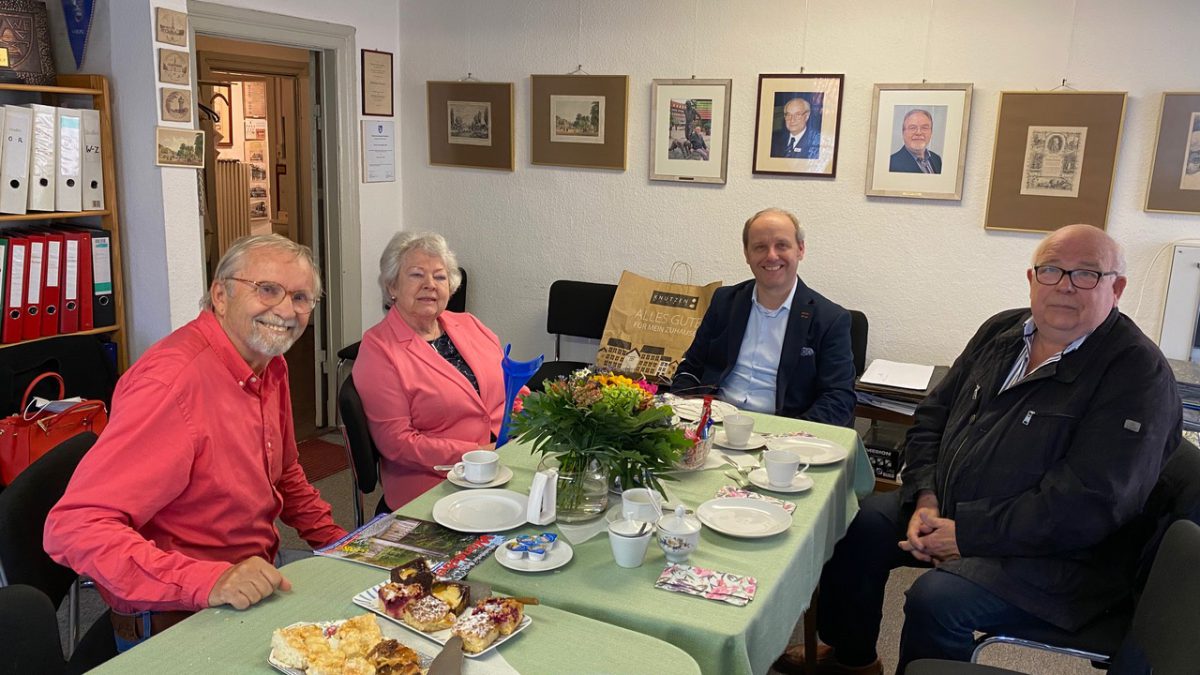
(23, 439)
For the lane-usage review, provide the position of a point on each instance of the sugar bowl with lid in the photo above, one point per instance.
(678, 534)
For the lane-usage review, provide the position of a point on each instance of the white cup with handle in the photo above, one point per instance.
(641, 504)
(478, 466)
(782, 467)
(738, 429)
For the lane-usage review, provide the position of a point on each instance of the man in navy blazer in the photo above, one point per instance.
(772, 344)
(915, 156)
(796, 140)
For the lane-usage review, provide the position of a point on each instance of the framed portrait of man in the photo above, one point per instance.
(796, 125)
(918, 141)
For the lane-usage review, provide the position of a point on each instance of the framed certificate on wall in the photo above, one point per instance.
(377, 83)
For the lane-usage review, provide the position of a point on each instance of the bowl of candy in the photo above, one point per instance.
(697, 453)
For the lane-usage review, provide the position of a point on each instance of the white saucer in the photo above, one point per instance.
(814, 451)
(503, 475)
(756, 441)
(481, 511)
(555, 558)
(800, 482)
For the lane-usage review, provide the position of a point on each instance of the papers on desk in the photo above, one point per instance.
(895, 374)
(902, 407)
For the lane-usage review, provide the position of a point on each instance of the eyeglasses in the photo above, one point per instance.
(1085, 280)
(271, 294)
(796, 116)
(912, 128)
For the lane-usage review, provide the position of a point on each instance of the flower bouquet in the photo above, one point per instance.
(601, 420)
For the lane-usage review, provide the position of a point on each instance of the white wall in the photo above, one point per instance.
(925, 272)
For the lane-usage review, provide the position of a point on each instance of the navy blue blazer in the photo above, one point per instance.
(809, 148)
(815, 380)
(903, 162)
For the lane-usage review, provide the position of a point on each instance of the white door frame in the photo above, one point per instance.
(339, 94)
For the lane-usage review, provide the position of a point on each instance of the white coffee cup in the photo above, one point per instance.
(629, 547)
(478, 466)
(640, 504)
(738, 429)
(782, 467)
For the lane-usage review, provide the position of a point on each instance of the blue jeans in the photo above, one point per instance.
(941, 612)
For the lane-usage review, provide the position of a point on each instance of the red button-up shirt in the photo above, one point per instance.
(196, 463)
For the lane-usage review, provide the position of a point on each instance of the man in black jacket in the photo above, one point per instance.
(1044, 439)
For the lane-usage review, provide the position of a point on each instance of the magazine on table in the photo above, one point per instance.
(390, 540)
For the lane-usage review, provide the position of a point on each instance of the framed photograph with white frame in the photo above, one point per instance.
(689, 130)
(797, 124)
(1174, 183)
(1054, 160)
(918, 142)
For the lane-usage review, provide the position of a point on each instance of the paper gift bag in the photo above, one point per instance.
(651, 324)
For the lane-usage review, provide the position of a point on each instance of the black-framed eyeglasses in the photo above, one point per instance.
(1084, 280)
(271, 294)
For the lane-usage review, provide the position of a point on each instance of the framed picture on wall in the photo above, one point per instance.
(580, 120)
(1054, 159)
(796, 126)
(689, 130)
(170, 26)
(254, 99)
(377, 96)
(1174, 184)
(471, 124)
(224, 125)
(918, 140)
(179, 147)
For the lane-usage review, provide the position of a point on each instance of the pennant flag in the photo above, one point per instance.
(78, 14)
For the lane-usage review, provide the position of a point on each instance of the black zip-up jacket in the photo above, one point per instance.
(1040, 478)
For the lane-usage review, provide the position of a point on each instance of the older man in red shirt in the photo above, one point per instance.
(174, 508)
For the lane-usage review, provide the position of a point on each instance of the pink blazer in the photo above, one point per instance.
(421, 411)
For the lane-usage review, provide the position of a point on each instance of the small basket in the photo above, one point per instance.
(694, 457)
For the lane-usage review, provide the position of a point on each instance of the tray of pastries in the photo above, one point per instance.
(441, 609)
(354, 645)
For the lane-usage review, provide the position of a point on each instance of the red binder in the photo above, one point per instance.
(14, 287)
(31, 322)
(85, 281)
(52, 283)
(69, 306)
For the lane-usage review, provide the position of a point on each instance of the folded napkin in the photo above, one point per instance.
(732, 588)
(734, 493)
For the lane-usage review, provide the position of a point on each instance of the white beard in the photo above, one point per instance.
(269, 342)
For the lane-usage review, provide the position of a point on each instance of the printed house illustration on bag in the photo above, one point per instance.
(648, 361)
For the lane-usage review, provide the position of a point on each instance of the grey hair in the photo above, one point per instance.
(402, 244)
(232, 262)
(916, 111)
(772, 209)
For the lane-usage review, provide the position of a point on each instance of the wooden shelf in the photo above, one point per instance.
(51, 89)
(49, 215)
(94, 331)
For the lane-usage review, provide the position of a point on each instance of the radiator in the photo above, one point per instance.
(233, 203)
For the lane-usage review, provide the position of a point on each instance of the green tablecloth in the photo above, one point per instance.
(228, 641)
(722, 638)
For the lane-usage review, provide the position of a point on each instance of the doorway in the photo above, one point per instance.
(261, 178)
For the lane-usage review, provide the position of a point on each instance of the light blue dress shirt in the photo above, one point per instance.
(751, 383)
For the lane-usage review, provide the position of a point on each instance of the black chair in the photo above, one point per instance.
(1165, 626)
(575, 309)
(30, 629)
(858, 341)
(1176, 496)
(458, 301)
(364, 456)
(23, 560)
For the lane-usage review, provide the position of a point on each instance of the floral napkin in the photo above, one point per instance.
(732, 588)
(734, 493)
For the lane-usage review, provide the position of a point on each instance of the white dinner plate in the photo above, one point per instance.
(747, 518)
(814, 451)
(487, 510)
(388, 633)
(503, 475)
(555, 558)
(689, 409)
(369, 599)
(800, 482)
(756, 441)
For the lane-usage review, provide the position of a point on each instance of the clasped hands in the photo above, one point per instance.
(930, 538)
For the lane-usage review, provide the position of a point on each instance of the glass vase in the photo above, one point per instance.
(582, 489)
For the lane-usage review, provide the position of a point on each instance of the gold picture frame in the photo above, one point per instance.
(580, 120)
(1173, 185)
(471, 124)
(1054, 159)
(944, 111)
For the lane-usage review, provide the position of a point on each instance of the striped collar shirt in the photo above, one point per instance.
(1018, 370)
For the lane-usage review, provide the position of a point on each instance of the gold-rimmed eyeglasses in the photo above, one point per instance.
(271, 294)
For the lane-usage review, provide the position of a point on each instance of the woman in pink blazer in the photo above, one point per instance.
(430, 380)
